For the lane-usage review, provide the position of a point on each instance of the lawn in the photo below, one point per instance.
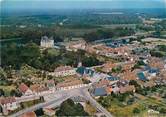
(31, 103)
(7, 89)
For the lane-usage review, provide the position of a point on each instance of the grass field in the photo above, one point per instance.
(7, 89)
(119, 109)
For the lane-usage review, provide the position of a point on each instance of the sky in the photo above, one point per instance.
(80, 4)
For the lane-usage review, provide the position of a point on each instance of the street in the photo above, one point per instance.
(63, 95)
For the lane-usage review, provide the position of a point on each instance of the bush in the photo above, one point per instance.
(2, 93)
(162, 110)
(69, 108)
(136, 111)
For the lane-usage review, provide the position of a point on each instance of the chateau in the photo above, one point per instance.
(46, 42)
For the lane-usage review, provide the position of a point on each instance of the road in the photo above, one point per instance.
(38, 106)
(94, 103)
(65, 94)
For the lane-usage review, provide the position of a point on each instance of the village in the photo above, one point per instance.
(128, 69)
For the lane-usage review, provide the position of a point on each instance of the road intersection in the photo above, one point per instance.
(62, 96)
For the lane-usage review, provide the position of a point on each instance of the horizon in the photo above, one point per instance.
(44, 5)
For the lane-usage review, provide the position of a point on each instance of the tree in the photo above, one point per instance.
(15, 93)
(2, 93)
(162, 110)
(3, 74)
(39, 112)
(133, 82)
(69, 108)
(136, 111)
(30, 53)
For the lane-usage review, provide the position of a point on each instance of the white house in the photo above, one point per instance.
(8, 104)
(63, 71)
(47, 42)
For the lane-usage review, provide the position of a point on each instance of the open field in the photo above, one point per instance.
(153, 40)
(127, 111)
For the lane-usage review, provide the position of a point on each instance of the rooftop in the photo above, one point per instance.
(100, 92)
(68, 83)
(6, 100)
(23, 88)
(29, 114)
(141, 76)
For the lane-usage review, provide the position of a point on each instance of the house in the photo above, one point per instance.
(127, 88)
(102, 83)
(128, 75)
(128, 66)
(151, 111)
(29, 114)
(115, 89)
(81, 70)
(85, 71)
(112, 78)
(107, 67)
(156, 63)
(63, 71)
(149, 84)
(109, 90)
(70, 84)
(47, 42)
(141, 76)
(24, 89)
(100, 92)
(8, 104)
(49, 112)
(76, 45)
(151, 72)
(99, 114)
(39, 89)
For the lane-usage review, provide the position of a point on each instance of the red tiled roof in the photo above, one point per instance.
(23, 88)
(128, 75)
(127, 88)
(7, 100)
(29, 114)
(39, 88)
(69, 83)
(102, 83)
(156, 63)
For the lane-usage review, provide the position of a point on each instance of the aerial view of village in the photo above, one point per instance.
(83, 58)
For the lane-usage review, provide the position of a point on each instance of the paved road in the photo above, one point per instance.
(41, 105)
(65, 94)
(94, 103)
